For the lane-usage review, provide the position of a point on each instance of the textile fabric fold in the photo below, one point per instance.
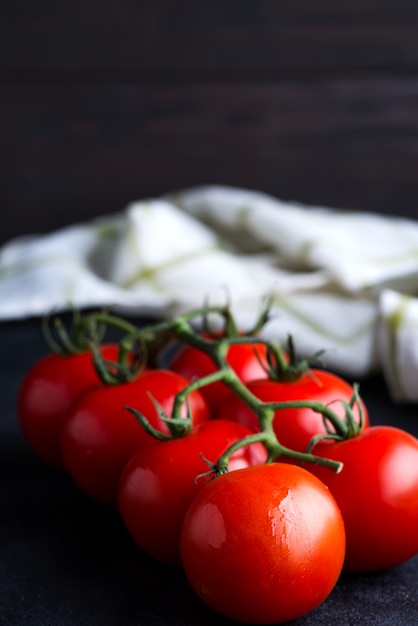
(345, 282)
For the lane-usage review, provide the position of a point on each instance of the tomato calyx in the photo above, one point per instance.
(292, 368)
(177, 426)
(73, 340)
(229, 326)
(214, 470)
(86, 333)
(131, 362)
(342, 429)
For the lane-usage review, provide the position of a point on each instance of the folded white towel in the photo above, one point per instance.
(346, 282)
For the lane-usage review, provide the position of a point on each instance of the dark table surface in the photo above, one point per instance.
(68, 561)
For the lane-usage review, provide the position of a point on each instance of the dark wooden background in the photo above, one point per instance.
(107, 101)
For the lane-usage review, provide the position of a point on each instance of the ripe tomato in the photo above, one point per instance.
(45, 394)
(159, 483)
(245, 359)
(294, 427)
(263, 545)
(377, 492)
(99, 435)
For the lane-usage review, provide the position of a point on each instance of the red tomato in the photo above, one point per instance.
(159, 483)
(377, 492)
(244, 359)
(99, 435)
(45, 394)
(263, 545)
(294, 427)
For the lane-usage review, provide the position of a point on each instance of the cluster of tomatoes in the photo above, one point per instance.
(262, 481)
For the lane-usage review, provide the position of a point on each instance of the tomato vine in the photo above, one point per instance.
(182, 328)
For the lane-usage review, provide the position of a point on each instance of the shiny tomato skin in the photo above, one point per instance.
(377, 492)
(294, 427)
(193, 363)
(263, 545)
(99, 435)
(159, 483)
(45, 394)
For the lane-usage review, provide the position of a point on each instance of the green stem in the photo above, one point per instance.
(181, 397)
(275, 450)
(152, 331)
(338, 424)
(108, 320)
(274, 348)
(265, 412)
(157, 434)
(217, 349)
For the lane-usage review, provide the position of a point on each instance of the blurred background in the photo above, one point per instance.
(107, 101)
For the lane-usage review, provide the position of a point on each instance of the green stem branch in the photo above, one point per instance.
(216, 348)
(275, 450)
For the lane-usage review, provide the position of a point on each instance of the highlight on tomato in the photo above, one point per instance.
(46, 393)
(159, 483)
(294, 427)
(263, 545)
(377, 492)
(99, 435)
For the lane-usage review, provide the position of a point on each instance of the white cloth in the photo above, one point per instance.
(346, 282)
